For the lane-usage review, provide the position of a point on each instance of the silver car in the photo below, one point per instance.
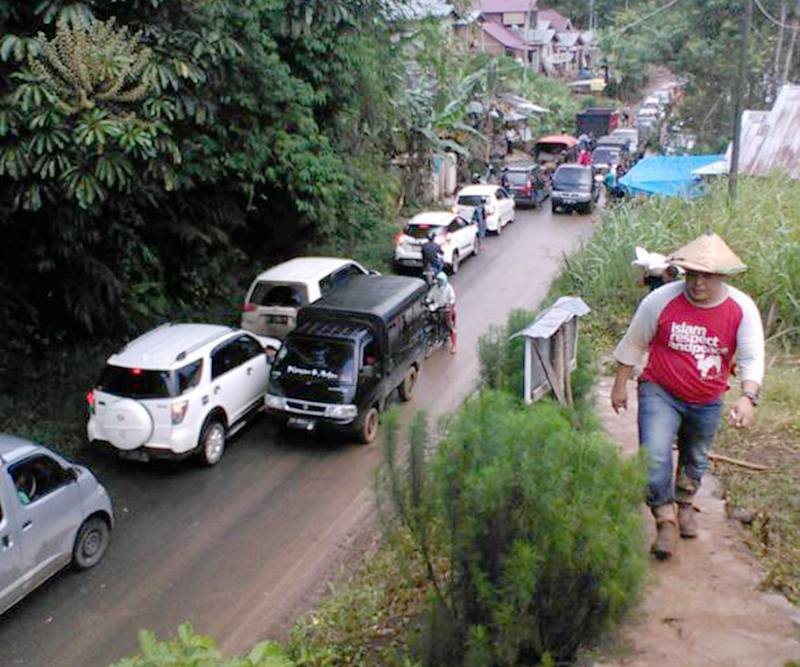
(52, 512)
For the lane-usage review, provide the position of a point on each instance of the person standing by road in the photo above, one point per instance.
(691, 330)
(479, 218)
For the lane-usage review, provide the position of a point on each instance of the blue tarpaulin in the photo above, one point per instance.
(668, 175)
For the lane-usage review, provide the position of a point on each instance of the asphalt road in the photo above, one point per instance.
(232, 549)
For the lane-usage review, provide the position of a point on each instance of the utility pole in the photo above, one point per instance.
(733, 177)
(792, 40)
(776, 70)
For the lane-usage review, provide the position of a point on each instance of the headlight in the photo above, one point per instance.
(275, 402)
(341, 411)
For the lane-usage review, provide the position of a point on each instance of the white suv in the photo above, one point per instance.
(271, 305)
(177, 390)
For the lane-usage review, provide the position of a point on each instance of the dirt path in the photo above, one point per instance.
(703, 607)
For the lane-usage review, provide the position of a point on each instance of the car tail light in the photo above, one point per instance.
(490, 210)
(271, 353)
(90, 401)
(454, 209)
(179, 411)
(400, 238)
(248, 307)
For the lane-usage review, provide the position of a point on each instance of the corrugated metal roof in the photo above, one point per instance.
(558, 21)
(567, 38)
(506, 37)
(541, 36)
(770, 140)
(500, 6)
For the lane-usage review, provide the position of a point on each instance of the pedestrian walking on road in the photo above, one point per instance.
(479, 218)
(691, 330)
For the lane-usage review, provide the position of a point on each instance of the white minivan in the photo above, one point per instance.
(271, 305)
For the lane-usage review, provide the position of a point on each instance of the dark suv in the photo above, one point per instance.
(574, 188)
(527, 183)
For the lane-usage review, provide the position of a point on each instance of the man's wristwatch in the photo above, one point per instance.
(751, 396)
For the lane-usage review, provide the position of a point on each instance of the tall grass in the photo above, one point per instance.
(763, 228)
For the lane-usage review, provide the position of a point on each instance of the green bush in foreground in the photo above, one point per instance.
(189, 649)
(541, 528)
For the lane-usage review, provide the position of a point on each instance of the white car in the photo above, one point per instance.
(178, 390)
(453, 233)
(271, 304)
(498, 204)
(632, 135)
(52, 513)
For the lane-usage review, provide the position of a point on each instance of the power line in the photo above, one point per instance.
(772, 18)
(644, 18)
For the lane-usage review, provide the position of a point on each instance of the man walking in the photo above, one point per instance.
(479, 218)
(691, 330)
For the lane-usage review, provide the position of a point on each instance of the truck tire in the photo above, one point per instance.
(406, 389)
(368, 430)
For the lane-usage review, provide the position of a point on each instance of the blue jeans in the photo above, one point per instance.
(663, 418)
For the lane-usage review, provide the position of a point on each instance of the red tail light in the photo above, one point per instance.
(400, 238)
(179, 411)
(90, 401)
(490, 210)
(248, 307)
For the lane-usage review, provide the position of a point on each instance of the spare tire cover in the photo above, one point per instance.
(127, 424)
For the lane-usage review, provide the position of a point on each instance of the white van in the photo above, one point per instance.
(272, 302)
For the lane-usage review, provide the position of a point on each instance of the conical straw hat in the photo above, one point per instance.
(707, 254)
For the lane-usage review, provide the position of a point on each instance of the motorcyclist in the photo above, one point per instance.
(432, 255)
(442, 297)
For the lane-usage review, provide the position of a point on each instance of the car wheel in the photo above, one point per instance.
(454, 265)
(369, 426)
(91, 543)
(499, 226)
(212, 442)
(513, 215)
(409, 382)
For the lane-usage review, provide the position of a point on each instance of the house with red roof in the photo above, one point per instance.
(542, 38)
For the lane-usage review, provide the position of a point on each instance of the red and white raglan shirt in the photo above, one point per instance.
(692, 346)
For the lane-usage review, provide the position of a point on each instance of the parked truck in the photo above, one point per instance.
(598, 121)
(350, 350)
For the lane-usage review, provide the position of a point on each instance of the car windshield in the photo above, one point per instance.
(420, 231)
(604, 155)
(517, 177)
(317, 359)
(136, 382)
(470, 200)
(570, 178)
(278, 294)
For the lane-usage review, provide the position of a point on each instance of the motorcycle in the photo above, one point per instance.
(436, 330)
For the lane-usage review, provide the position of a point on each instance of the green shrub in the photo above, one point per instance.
(542, 529)
(189, 649)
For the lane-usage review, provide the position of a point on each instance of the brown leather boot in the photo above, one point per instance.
(687, 521)
(667, 537)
